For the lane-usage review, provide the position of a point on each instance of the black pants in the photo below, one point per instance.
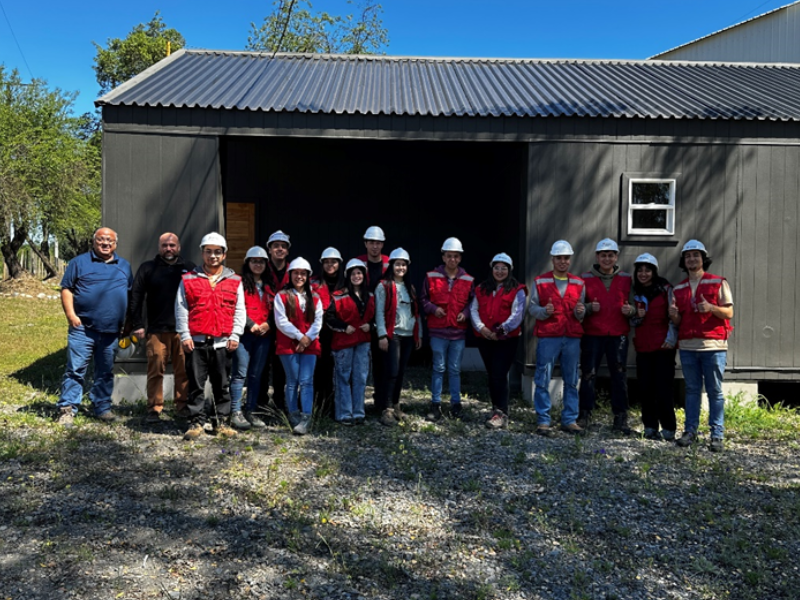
(208, 363)
(615, 350)
(274, 366)
(323, 376)
(378, 378)
(394, 369)
(655, 372)
(497, 358)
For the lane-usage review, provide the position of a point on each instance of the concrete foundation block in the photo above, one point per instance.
(556, 391)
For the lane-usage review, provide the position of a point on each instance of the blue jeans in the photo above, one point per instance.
(299, 370)
(548, 350)
(352, 368)
(248, 363)
(84, 345)
(446, 355)
(708, 367)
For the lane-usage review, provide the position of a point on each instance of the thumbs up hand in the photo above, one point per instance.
(595, 305)
(704, 306)
(549, 308)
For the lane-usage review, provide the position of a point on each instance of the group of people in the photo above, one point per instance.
(319, 336)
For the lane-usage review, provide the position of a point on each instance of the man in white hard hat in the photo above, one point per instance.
(606, 329)
(702, 307)
(94, 295)
(154, 288)
(557, 303)
(210, 316)
(446, 294)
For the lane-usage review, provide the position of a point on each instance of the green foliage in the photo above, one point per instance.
(293, 27)
(144, 46)
(49, 175)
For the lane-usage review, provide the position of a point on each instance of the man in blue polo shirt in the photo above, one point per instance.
(94, 294)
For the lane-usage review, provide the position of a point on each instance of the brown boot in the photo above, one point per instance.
(388, 418)
(398, 414)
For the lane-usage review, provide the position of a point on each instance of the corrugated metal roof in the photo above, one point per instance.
(371, 85)
(724, 29)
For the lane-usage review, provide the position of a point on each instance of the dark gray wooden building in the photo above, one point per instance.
(508, 155)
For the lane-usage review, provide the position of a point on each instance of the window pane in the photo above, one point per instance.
(649, 219)
(651, 193)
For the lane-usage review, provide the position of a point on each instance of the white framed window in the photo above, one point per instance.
(651, 206)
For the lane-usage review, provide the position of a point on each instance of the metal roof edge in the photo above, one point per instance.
(724, 29)
(107, 98)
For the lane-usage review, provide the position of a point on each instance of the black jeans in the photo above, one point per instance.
(615, 350)
(323, 375)
(206, 362)
(394, 369)
(378, 378)
(497, 358)
(655, 373)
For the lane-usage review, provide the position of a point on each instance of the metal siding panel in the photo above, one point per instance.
(762, 250)
(746, 258)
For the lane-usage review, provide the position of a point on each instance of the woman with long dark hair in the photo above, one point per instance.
(655, 340)
(497, 311)
(349, 316)
(398, 332)
(251, 355)
(329, 280)
(298, 319)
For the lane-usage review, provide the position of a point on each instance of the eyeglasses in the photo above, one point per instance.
(214, 252)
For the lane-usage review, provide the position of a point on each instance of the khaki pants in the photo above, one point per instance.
(163, 347)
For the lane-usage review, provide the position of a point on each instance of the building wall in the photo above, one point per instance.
(774, 37)
(158, 183)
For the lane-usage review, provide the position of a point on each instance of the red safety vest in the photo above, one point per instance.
(272, 278)
(610, 320)
(286, 345)
(347, 310)
(211, 310)
(453, 300)
(562, 323)
(365, 259)
(495, 308)
(652, 331)
(390, 310)
(697, 325)
(258, 307)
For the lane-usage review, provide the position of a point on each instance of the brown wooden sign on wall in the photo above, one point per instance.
(240, 232)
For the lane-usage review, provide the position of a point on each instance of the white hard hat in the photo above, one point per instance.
(561, 248)
(126, 347)
(452, 245)
(299, 263)
(694, 245)
(354, 262)
(607, 245)
(279, 236)
(399, 253)
(330, 253)
(256, 252)
(503, 258)
(214, 239)
(374, 233)
(646, 259)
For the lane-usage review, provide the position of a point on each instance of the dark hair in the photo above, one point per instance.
(338, 283)
(291, 305)
(412, 292)
(248, 279)
(706, 262)
(489, 284)
(659, 285)
(349, 284)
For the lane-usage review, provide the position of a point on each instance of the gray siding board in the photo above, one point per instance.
(761, 244)
(786, 232)
(744, 321)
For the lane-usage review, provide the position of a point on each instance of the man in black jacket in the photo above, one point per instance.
(154, 288)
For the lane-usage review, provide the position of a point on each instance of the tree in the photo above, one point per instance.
(292, 27)
(144, 46)
(49, 176)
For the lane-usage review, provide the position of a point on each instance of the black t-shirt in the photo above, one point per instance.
(374, 274)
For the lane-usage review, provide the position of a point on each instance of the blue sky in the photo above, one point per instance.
(54, 37)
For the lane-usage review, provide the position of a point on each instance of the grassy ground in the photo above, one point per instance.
(424, 511)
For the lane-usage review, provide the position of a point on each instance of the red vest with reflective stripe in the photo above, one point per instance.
(453, 300)
(694, 324)
(323, 292)
(283, 343)
(562, 323)
(495, 308)
(610, 320)
(365, 259)
(211, 311)
(272, 279)
(390, 310)
(258, 307)
(652, 331)
(347, 311)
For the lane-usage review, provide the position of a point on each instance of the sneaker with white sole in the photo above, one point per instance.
(254, 420)
(498, 420)
(238, 421)
(303, 426)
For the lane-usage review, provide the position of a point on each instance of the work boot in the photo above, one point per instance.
(398, 414)
(573, 429)
(456, 411)
(435, 412)
(584, 419)
(388, 418)
(254, 420)
(621, 424)
(195, 431)
(65, 417)
(152, 417)
(224, 430)
(238, 421)
(107, 417)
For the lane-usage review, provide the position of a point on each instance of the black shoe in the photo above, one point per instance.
(584, 419)
(716, 445)
(456, 411)
(358, 421)
(435, 412)
(621, 424)
(687, 439)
